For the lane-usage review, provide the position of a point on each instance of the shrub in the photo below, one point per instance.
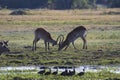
(18, 12)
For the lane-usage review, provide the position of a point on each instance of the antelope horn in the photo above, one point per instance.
(61, 38)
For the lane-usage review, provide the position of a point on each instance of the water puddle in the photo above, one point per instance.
(35, 69)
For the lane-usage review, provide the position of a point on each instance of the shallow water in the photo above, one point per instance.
(35, 69)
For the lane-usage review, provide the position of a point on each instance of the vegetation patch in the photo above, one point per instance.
(111, 13)
(103, 37)
(104, 75)
(18, 12)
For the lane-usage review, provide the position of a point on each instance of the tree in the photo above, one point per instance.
(80, 4)
(57, 4)
(104, 2)
(15, 4)
(113, 3)
(63, 4)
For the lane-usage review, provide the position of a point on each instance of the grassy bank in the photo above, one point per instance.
(90, 76)
(103, 48)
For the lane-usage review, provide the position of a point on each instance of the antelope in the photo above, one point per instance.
(41, 33)
(3, 43)
(4, 46)
(79, 31)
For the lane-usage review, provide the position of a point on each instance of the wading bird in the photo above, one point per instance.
(48, 72)
(65, 73)
(55, 72)
(42, 71)
(71, 73)
(82, 73)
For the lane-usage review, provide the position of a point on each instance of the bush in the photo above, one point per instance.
(111, 13)
(18, 12)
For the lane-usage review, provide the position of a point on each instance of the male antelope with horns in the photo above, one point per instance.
(41, 33)
(79, 31)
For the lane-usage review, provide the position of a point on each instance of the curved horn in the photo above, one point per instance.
(61, 37)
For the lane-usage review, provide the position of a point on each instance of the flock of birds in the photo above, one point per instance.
(66, 72)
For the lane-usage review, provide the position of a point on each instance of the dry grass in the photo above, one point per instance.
(58, 18)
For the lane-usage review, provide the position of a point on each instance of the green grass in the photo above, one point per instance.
(106, 41)
(103, 41)
(31, 76)
(60, 22)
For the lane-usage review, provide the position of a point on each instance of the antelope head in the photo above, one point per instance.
(79, 31)
(5, 43)
(54, 43)
(4, 46)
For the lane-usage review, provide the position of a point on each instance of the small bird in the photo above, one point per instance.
(56, 72)
(71, 73)
(42, 71)
(49, 72)
(65, 73)
(82, 73)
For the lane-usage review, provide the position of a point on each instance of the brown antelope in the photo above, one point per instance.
(41, 33)
(79, 31)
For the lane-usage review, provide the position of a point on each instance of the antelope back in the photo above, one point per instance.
(42, 33)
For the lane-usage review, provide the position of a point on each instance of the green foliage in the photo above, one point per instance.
(23, 3)
(103, 75)
(113, 3)
(81, 4)
(57, 4)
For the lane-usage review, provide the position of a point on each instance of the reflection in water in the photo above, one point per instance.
(35, 69)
